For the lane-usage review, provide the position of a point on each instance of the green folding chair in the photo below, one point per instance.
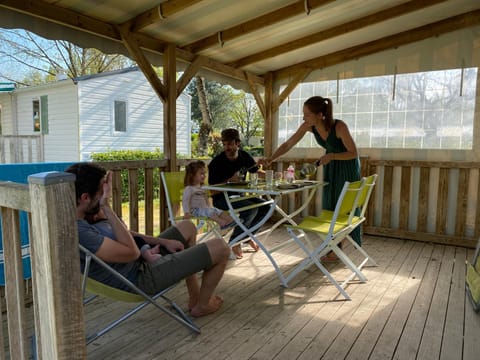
(330, 228)
(96, 288)
(472, 281)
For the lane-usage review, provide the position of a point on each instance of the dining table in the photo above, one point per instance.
(272, 195)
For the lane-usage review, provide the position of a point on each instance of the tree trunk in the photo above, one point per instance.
(206, 124)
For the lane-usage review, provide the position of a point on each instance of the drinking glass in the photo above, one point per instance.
(269, 178)
(278, 177)
(253, 179)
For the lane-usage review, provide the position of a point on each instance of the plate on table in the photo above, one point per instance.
(288, 186)
(238, 183)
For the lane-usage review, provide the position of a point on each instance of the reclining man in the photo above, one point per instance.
(93, 186)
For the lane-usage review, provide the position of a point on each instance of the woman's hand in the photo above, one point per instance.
(325, 159)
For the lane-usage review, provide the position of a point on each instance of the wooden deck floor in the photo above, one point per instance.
(412, 307)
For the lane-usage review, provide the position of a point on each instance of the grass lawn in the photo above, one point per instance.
(141, 216)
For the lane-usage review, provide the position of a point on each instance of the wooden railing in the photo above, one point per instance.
(420, 200)
(20, 149)
(416, 200)
(57, 300)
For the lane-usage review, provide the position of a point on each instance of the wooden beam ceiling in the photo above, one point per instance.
(77, 21)
(133, 39)
(269, 19)
(159, 12)
(341, 29)
(445, 26)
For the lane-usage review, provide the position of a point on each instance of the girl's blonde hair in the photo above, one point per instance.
(191, 170)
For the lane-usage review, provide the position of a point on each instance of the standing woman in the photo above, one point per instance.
(340, 162)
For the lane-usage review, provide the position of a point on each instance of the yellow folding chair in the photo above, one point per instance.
(173, 186)
(330, 228)
(356, 221)
(96, 288)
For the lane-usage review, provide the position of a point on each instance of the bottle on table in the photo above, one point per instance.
(290, 176)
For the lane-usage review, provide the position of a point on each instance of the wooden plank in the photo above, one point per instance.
(423, 199)
(149, 197)
(414, 327)
(442, 202)
(380, 279)
(404, 198)
(14, 196)
(462, 200)
(56, 268)
(431, 340)
(117, 192)
(170, 107)
(418, 236)
(259, 320)
(413, 271)
(133, 199)
(452, 341)
(372, 330)
(387, 196)
(14, 285)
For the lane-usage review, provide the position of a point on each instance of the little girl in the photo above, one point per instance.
(195, 199)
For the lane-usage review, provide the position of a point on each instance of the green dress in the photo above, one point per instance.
(336, 172)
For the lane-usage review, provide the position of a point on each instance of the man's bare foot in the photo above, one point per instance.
(191, 303)
(213, 305)
(237, 250)
(253, 245)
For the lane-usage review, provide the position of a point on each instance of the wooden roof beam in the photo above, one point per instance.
(424, 32)
(160, 12)
(77, 21)
(255, 24)
(342, 29)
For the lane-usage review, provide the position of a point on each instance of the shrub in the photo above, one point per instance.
(124, 155)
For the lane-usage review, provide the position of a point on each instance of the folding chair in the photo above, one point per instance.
(357, 220)
(330, 228)
(136, 296)
(472, 280)
(173, 186)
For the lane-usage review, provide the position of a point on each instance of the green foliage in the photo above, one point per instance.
(255, 151)
(125, 155)
(215, 145)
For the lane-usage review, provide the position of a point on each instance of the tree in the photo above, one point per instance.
(246, 117)
(227, 108)
(35, 60)
(206, 121)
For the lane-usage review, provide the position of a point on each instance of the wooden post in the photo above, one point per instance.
(59, 321)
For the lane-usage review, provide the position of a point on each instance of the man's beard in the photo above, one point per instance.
(93, 210)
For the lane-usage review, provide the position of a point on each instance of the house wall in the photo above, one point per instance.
(6, 104)
(61, 142)
(144, 115)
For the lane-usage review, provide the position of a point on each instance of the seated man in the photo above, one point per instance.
(230, 165)
(93, 190)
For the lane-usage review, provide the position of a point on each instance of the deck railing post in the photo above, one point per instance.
(59, 321)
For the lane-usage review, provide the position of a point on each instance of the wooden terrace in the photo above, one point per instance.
(413, 306)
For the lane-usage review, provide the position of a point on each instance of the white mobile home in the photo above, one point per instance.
(70, 119)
